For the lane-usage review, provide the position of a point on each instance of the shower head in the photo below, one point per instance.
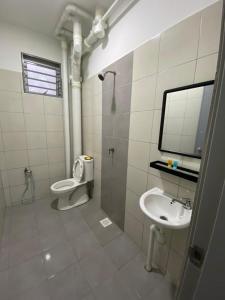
(102, 75)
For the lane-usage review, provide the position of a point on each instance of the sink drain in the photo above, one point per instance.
(163, 218)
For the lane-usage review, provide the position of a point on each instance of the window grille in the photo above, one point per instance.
(41, 76)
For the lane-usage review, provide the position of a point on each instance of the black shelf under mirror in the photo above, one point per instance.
(185, 173)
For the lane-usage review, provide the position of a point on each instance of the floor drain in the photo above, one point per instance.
(163, 218)
(105, 222)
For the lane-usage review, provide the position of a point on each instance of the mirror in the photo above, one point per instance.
(184, 119)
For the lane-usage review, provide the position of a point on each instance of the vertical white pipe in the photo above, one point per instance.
(76, 88)
(151, 241)
(76, 113)
(66, 106)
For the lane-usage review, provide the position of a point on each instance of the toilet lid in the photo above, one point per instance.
(78, 169)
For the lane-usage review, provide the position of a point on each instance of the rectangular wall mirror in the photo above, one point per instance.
(184, 119)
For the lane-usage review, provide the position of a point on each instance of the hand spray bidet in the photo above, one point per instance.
(29, 185)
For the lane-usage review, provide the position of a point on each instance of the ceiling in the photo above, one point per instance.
(42, 15)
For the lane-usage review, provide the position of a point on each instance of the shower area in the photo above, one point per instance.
(116, 99)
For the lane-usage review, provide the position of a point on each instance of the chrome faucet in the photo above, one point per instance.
(186, 202)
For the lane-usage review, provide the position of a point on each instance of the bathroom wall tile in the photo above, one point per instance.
(10, 101)
(53, 105)
(186, 193)
(7, 197)
(97, 161)
(87, 104)
(179, 44)
(37, 157)
(12, 121)
(40, 172)
(172, 78)
(141, 126)
(97, 104)
(97, 143)
(145, 60)
(17, 194)
(156, 126)
(2, 161)
(97, 125)
(143, 94)
(10, 80)
(96, 85)
(57, 170)
(36, 139)
(174, 268)
(123, 70)
(56, 155)
(1, 142)
(161, 255)
(138, 155)
(206, 68)
(109, 104)
(191, 163)
(54, 123)
(188, 184)
(122, 99)
(16, 159)
(55, 139)
(16, 177)
(136, 180)
(155, 154)
(87, 123)
(210, 29)
(88, 141)
(121, 125)
(167, 186)
(179, 240)
(42, 188)
(133, 228)
(33, 103)
(14, 140)
(35, 122)
(132, 205)
(4, 181)
(107, 125)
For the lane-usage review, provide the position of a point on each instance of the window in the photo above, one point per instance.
(41, 76)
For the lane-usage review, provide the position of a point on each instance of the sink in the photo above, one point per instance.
(157, 206)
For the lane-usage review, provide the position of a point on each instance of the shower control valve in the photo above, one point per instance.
(111, 150)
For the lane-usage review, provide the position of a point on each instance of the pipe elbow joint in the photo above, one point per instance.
(99, 29)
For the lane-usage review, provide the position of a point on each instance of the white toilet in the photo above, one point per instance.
(73, 192)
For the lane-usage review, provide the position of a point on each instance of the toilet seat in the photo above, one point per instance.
(78, 169)
(67, 185)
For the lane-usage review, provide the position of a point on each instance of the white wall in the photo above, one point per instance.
(14, 40)
(145, 20)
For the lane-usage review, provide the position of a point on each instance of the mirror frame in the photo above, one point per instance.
(186, 87)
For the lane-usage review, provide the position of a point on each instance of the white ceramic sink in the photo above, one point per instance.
(159, 209)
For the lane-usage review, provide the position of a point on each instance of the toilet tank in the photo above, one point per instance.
(88, 167)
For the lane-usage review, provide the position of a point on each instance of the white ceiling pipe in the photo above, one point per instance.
(77, 42)
(71, 11)
(66, 106)
(99, 26)
(110, 10)
(97, 31)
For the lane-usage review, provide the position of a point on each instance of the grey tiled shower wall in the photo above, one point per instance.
(116, 99)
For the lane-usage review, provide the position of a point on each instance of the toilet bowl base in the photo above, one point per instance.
(65, 203)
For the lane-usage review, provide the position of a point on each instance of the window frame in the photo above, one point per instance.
(39, 61)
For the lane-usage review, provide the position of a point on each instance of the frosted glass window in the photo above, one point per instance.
(41, 76)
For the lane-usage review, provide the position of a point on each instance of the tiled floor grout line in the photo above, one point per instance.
(37, 211)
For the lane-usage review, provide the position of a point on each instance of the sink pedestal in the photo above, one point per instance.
(154, 233)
